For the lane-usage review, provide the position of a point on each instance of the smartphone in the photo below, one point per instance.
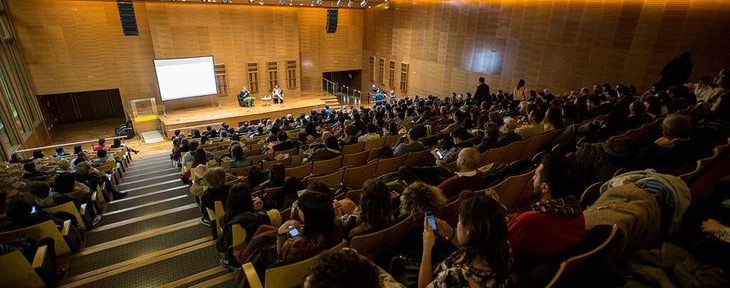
(439, 154)
(33, 210)
(505, 119)
(432, 222)
(293, 232)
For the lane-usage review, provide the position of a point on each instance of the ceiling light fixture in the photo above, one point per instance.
(338, 4)
(349, 3)
(319, 2)
(364, 3)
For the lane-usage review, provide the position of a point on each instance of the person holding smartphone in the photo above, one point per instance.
(485, 258)
(319, 231)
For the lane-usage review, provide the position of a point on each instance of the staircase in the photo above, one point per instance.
(151, 238)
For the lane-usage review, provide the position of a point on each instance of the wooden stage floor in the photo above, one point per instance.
(232, 114)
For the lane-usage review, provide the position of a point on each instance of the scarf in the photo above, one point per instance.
(566, 207)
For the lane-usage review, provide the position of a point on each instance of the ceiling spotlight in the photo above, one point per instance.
(338, 4)
(349, 3)
(319, 2)
(282, 2)
(261, 2)
(364, 3)
(250, 1)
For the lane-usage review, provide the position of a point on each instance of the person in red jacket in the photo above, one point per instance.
(555, 220)
(467, 177)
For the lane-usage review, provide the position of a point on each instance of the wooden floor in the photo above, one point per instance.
(232, 114)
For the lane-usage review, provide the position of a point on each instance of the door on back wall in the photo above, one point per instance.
(66, 108)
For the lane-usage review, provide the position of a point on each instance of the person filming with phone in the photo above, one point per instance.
(484, 258)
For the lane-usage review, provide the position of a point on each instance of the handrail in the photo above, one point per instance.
(67, 144)
(196, 126)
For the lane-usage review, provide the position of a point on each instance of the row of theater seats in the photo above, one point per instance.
(18, 271)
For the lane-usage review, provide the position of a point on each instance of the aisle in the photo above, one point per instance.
(151, 238)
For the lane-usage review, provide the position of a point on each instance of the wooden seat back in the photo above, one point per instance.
(328, 166)
(389, 165)
(353, 148)
(39, 231)
(515, 191)
(355, 177)
(331, 180)
(355, 159)
(372, 244)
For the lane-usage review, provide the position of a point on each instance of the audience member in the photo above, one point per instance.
(467, 177)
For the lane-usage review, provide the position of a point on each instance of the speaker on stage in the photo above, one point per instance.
(331, 20)
(128, 18)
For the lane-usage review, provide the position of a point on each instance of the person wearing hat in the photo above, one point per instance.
(673, 151)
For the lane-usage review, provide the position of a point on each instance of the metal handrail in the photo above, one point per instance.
(66, 144)
(195, 126)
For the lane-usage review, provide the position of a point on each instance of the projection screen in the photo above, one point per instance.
(185, 77)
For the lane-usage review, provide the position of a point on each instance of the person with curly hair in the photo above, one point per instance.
(419, 198)
(347, 268)
(375, 210)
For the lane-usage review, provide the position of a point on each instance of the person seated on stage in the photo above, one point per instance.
(242, 95)
(100, 146)
(277, 95)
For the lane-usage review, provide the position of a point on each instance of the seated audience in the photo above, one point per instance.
(460, 137)
(100, 145)
(284, 142)
(533, 126)
(467, 177)
(375, 211)
(484, 258)
(673, 151)
(346, 268)
(60, 152)
(318, 229)
(43, 197)
(239, 211)
(372, 133)
(329, 151)
(31, 173)
(411, 141)
(238, 158)
(277, 175)
(555, 220)
(217, 190)
(419, 198)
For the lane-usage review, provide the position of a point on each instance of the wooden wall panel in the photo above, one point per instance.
(328, 52)
(72, 46)
(559, 44)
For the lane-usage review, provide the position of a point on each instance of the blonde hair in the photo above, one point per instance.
(419, 198)
(83, 168)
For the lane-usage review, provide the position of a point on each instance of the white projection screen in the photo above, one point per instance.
(185, 77)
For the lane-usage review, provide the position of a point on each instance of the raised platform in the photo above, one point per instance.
(232, 114)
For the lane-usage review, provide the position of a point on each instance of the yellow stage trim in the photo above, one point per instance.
(145, 118)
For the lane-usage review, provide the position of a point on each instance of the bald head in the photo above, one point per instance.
(469, 159)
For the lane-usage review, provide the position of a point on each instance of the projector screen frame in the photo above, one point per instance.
(157, 79)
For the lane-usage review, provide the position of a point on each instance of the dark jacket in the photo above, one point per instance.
(250, 221)
(482, 93)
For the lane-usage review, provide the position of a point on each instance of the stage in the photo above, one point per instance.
(231, 113)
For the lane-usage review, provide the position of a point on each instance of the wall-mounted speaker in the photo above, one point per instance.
(331, 20)
(129, 20)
